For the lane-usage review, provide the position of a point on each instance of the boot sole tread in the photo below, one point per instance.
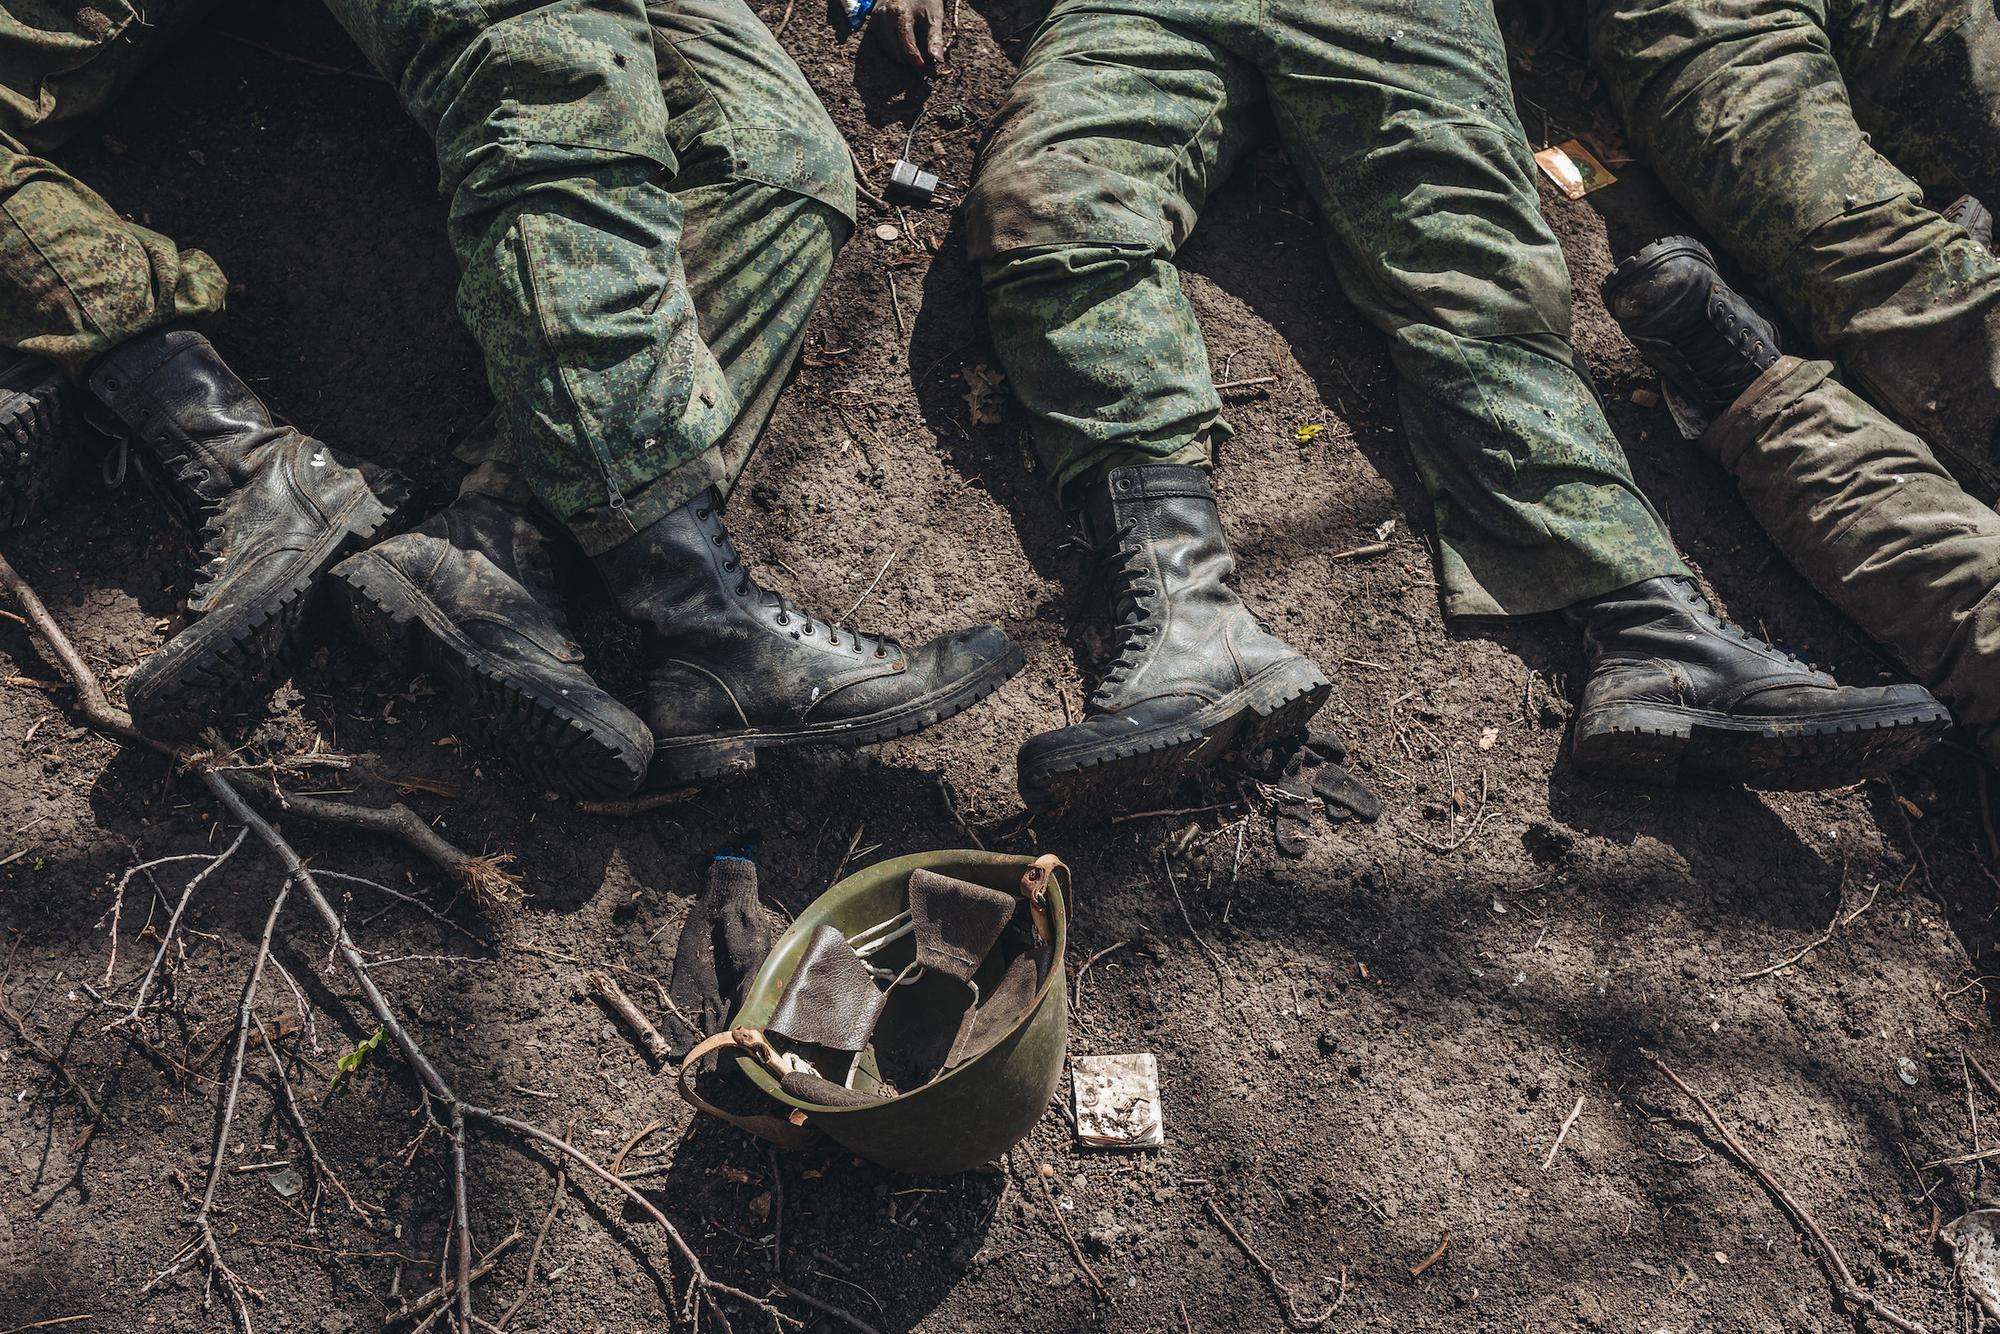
(542, 739)
(225, 665)
(1121, 770)
(40, 456)
(684, 762)
(1659, 744)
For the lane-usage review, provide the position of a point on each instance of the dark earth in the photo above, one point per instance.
(1389, 1034)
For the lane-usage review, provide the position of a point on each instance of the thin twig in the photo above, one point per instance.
(826, 1308)
(1070, 1237)
(1837, 924)
(541, 1235)
(1845, 1289)
(1076, 990)
(172, 932)
(448, 1290)
(53, 1062)
(603, 986)
(847, 616)
(1563, 1134)
(205, 1245)
(1287, 1299)
(302, 62)
(1224, 973)
(366, 1212)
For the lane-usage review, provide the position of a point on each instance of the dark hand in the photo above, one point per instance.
(723, 943)
(915, 30)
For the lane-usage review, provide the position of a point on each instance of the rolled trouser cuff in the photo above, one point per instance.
(1863, 509)
(603, 527)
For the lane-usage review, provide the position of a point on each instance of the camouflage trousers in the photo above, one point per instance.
(645, 201)
(1398, 116)
(1803, 136)
(76, 279)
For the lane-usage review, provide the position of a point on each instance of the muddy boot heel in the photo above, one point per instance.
(374, 600)
(692, 763)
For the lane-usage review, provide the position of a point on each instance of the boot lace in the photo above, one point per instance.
(1127, 582)
(1728, 630)
(787, 611)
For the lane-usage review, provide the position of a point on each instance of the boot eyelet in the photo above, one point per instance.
(701, 514)
(730, 566)
(881, 653)
(783, 619)
(807, 629)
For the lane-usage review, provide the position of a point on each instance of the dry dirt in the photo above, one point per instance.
(1400, 1032)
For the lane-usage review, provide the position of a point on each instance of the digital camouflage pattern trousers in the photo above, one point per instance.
(76, 279)
(1398, 116)
(644, 200)
(1805, 136)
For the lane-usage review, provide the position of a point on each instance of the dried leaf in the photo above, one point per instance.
(985, 393)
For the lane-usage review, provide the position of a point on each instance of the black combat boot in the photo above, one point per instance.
(734, 669)
(1975, 217)
(277, 509)
(1704, 339)
(40, 453)
(1675, 691)
(1194, 672)
(470, 598)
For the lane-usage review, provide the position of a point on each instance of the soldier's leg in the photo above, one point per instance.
(768, 188)
(1119, 124)
(563, 129)
(1098, 165)
(1400, 118)
(1745, 110)
(551, 133)
(1865, 511)
(78, 278)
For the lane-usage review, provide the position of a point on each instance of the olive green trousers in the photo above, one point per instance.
(1805, 137)
(76, 279)
(1398, 116)
(645, 201)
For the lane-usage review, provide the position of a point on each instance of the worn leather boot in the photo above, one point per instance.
(1194, 671)
(40, 452)
(1704, 339)
(1675, 691)
(277, 509)
(1975, 217)
(470, 598)
(735, 669)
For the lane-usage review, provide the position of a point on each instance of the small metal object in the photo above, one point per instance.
(911, 184)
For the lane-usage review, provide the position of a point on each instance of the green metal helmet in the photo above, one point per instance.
(975, 1110)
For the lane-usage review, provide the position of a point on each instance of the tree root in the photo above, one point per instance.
(485, 877)
(1846, 1292)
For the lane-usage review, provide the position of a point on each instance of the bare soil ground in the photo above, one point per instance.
(1398, 1031)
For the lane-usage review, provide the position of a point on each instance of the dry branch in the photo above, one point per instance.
(1287, 1299)
(603, 986)
(54, 1062)
(482, 874)
(1845, 1290)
